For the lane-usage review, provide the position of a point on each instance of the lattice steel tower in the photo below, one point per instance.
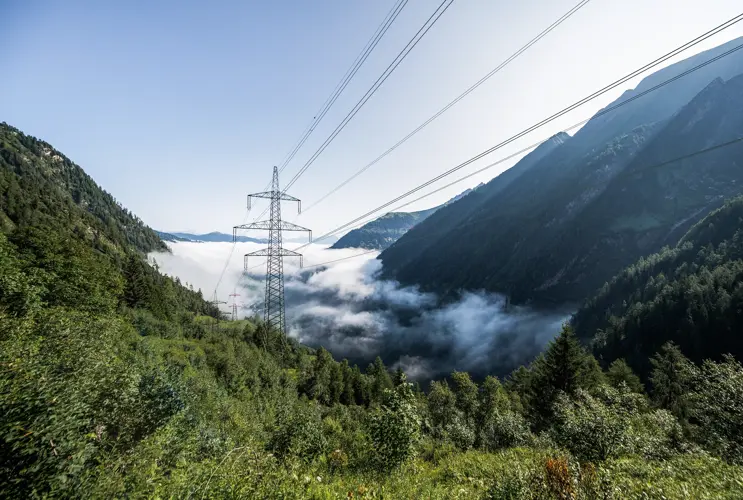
(273, 311)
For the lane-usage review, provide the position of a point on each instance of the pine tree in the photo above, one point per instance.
(671, 380)
(380, 378)
(320, 378)
(348, 395)
(399, 377)
(565, 367)
(336, 382)
(620, 372)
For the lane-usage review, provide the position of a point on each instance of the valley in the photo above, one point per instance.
(566, 329)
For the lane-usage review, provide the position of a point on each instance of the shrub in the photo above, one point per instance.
(298, 433)
(395, 427)
(612, 423)
(504, 429)
(717, 408)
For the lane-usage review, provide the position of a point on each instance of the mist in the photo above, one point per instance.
(345, 308)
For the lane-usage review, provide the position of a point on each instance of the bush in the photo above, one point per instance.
(613, 423)
(717, 408)
(299, 433)
(505, 429)
(395, 427)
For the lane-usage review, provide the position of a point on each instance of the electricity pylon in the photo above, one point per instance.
(216, 302)
(234, 296)
(274, 313)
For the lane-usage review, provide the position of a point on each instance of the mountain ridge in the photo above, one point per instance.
(383, 231)
(521, 239)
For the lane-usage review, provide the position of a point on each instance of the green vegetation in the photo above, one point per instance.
(690, 294)
(117, 381)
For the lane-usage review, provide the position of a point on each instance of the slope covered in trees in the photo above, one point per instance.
(385, 230)
(691, 294)
(593, 205)
(41, 186)
(118, 382)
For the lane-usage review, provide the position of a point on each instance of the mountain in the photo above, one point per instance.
(171, 237)
(691, 294)
(565, 222)
(39, 185)
(385, 230)
(217, 237)
(213, 237)
(119, 382)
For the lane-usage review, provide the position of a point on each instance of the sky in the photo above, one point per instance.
(181, 108)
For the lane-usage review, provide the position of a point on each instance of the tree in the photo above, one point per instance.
(565, 367)
(717, 408)
(395, 427)
(465, 393)
(318, 386)
(380, 378)
(619, 372)
(348, 394)
(399, 377)
(672, 381)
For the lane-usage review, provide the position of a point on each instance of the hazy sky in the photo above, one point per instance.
(180, 108)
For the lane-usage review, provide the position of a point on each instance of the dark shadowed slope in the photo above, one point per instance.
(559, 229)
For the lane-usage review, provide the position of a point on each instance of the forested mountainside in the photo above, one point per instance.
(118, 382)
(40, 185)
(691, 294)
(575, 217)
(385, 230)
(382, 231)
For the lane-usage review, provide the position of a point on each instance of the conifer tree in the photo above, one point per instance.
(671, 380)
(380, 378)
(620, 372)
(565, 367)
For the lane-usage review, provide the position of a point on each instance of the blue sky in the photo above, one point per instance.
(179, 109)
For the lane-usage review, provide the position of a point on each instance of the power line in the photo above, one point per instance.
(621, 174)
(572, 127)
(461, 96)
(551, 118)
(340, 87)
(445, 4)
(350, 73)
(480, 221)
(229, 258)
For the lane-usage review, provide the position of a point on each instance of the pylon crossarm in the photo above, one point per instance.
(288, 226)
(266, 252)
(264, 224)
(270, 195)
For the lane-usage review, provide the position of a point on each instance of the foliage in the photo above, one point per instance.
(717, 408)
(119, 382)
(298, 433)
(613, 423)
(395, 427)
(690, 294)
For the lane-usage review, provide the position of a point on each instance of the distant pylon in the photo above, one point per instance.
(234, 296)
(274, 314)
(216, 302)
